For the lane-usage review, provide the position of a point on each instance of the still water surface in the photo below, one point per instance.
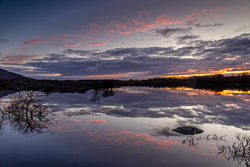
(129, 126)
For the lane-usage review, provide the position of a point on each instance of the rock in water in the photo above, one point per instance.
(188, 130)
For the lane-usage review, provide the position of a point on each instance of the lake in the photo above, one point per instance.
(129, 126)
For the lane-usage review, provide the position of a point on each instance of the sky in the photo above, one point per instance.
(118, 39)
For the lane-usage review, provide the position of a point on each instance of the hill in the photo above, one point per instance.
(4, 74)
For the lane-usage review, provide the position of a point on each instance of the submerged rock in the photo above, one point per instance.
(188, 130)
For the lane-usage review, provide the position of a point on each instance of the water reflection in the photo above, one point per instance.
(224, 92)
(26, 115)
(189, 107)
(132, 128)
(239, 151)
(99, 93)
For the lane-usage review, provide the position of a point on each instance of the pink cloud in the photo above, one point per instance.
(216, 15)
(74, 120)
(140, 29)
(73, 45)
(61, 37)
(92, 31)
(198, 13)
(143, 23)
(19, 59)
(58, 45)
(120, 26)
(54, 38)
(130, 26)
(37, 36)
(23, 47)
(244, 8)
(124, 32)
(111, 30)
(96, 26)
(35, 41)
(161, 20)
(125, 132)
(143, 13)
(75, 35)
(224, 8)
(97, 44)
(165, 20)
(68, 45)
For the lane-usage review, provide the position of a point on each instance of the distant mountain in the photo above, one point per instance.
(4, 74)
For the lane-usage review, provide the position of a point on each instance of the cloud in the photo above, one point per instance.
(74, 120)
(183, 39)
(223, 8)
(35, 41)
(92, 31)
(196, 14)
(97, 44)
(196, 56)
(243, 8)
(195, 23)
(143, 13)
(167, 31)
(120, 26)
(59, 45)
(134, 103)
(12, 58)
(4, 40)
(214, 13)
(161, 20)
(127, 26)
(243, 28)
(97, 121)
(62, 40)
(23, 47)
(124, 32)
(69, 45)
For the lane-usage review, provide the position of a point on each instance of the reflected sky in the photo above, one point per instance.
(186, 106)
(133, 127)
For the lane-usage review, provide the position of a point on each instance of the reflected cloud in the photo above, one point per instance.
(129, 139)
(97, 121)
(187, 107)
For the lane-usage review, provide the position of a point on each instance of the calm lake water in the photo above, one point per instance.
(130, 126)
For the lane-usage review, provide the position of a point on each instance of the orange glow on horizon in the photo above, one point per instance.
(209, 72)
(231, 92)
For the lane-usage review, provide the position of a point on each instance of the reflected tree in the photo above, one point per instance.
(191, 140)
(2, 121)
(99, 93)
(239, 151)
(214, 137)
(27, 115)
(192, 143)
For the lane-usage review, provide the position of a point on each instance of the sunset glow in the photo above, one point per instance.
(222, 71)
(125, 39)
